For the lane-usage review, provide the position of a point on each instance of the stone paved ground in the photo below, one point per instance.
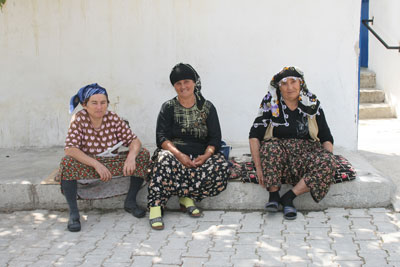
(334, 237)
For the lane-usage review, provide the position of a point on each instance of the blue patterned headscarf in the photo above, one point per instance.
(84, 93)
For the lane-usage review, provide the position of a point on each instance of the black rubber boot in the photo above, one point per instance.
(130, 201)
(70, 188)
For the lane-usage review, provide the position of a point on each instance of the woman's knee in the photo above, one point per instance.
(165, 158)
(272, 148)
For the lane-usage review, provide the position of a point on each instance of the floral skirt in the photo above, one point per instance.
(287, 161)
(170, 177)
(71, 169)
(89, 184)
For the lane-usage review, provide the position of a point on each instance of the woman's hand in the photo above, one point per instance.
(200, 160)
(255, 154)
(105, 174)
(203, 158)
(182, 157)
(185, 160)
(129, 166)
(79, 155)
(328, 146)
(130, 162)
(260, 177)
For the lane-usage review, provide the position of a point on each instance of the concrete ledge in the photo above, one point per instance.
(370, 189)
(376, 111)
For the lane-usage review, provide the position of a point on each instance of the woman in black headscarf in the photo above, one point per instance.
(291, 143)
(187, 162)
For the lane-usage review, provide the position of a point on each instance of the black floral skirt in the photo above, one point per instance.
(170, 177)
(287, 161)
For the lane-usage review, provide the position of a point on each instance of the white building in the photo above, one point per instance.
(384, 62)
(49, 49)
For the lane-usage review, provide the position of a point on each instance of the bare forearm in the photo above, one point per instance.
(255, 152)
(134, 148)
(168, 145)
(182, 157)
(80, 156)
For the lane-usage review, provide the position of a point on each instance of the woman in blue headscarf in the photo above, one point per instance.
(94, 133)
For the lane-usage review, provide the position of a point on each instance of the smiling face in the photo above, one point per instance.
(184, 88)
(96, 106)
(290, 88)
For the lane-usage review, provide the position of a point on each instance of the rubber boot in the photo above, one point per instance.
(130, 201)
(70, 188)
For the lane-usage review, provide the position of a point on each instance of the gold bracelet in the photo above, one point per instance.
(211, 150)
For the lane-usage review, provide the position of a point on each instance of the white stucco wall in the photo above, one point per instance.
(386, 63)
(49, 49)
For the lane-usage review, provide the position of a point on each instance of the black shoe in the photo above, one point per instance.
(135, 211)
(74, 225)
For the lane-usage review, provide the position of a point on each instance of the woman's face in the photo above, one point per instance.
(290, 89)
(96, 106)
(184, 88)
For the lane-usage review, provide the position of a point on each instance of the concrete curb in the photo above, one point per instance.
(364, 192)
(369, 190)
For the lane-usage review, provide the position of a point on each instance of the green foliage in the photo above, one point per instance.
(2, 2)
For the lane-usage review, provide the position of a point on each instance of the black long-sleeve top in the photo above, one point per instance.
(191, 130)
(297, 127)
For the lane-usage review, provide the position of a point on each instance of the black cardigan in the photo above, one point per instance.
(297, 127)
(191, 130)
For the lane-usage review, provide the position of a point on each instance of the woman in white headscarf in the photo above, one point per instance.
(291, 143)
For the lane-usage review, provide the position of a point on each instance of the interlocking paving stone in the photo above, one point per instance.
(346, 254)
(247, 238)
(193, 261)
(318, 234)
(359, 213)
(171, 256)
(220, 258)
(271, 259)
(144, 261)
(223, 246)
(270, 245)
(22, 263)
(319, 246)
(380, 264)
(335, 237)
(386, 227)
(245, 262)
(295, 228)
(349, 263)
(245, 252)
(321, 259)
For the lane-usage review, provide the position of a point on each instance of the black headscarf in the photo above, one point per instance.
(182, 71)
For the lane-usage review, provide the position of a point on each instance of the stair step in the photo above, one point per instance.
(372, 95)
(367, 78)
(376, 111)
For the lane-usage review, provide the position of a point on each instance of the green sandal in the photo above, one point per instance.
(157, 220)
(190, 211)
